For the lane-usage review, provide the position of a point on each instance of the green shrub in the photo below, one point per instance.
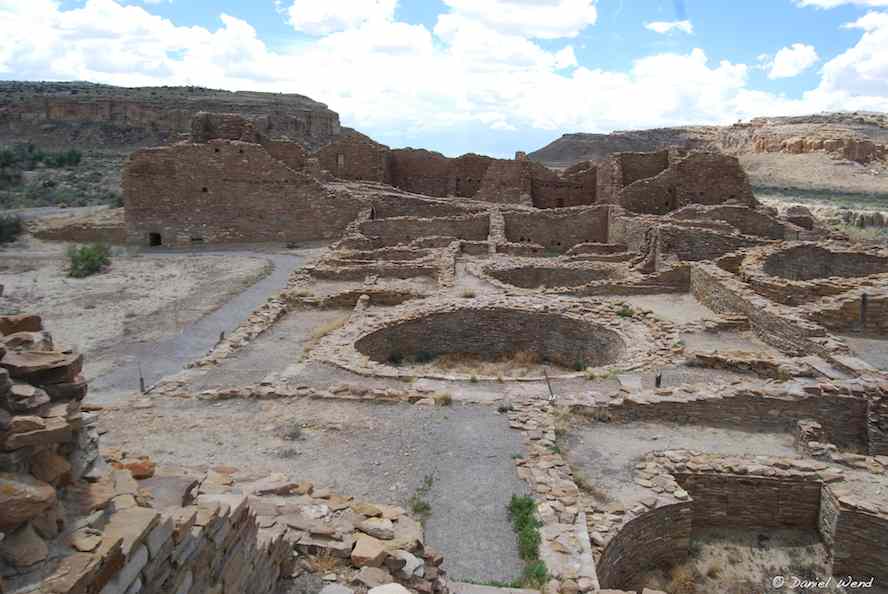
(10, 228)
(522, 509)
(86, 260)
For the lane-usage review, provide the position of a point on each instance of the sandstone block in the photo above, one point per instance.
(23, 548)
(389, 589)
(75, 390)
(41, 368)
(20, 323)
(378, 528)
(25, 398)
(23, 498)
(51, 468)
(373, 576)
(27, 341)
(368, 551)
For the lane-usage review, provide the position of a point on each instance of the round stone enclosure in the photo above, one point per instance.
(810, 262)
(493, 333)
(538, 276)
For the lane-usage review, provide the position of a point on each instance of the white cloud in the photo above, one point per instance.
(670, 26)
(321, 17)
(835, 3)
(862, 70)
(544, 19)
(790, 61)
(385, 76)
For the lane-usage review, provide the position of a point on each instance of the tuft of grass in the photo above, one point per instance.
(325, 329)
(625, 311)
(443, 399)
(468, 294)
(10, 228)
(87, 260)
(522, 510)
(535, 575)
(474, 379)
(682, 580)
(419, 505)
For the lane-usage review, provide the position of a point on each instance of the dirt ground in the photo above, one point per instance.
(605, 455)
(378, 452)
(732, 561)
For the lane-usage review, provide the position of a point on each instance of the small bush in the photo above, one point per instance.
(424, 357)
(86, 260)
(535, 575)
(625, 311)
(468, 294)
(443, 399)
(396, 359)
(10, 228)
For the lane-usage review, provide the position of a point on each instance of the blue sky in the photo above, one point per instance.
(489, 76)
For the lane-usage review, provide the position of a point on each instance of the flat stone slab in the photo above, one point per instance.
(467, 588)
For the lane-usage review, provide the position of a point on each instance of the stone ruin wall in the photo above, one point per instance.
(558, 230)
(73, 525)
(658, 183)
(660, 537)
(227, 192)
(354, 156)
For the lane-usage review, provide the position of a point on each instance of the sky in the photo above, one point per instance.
(486, 76)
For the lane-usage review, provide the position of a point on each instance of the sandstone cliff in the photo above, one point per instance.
(89, 115)
(858, 137)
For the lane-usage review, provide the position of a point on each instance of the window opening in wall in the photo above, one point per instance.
(155, 239)
(204, 189)
(340, 161)
(197, 240)
(216, 150)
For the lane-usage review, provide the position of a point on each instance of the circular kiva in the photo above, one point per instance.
(566, 336)
(533, 276)
(801, 273)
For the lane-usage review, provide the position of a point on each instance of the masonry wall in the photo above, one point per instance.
(227, 192)
(777, 325)
(844, 418)
(857, 541)
(406, 229)
(420, 171)
(507, 182)
(733, 501)
(356, 157)
(746, 220)
(558, 230)
(694, 244)
(657, 538)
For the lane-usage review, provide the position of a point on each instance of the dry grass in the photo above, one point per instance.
(518, 364)
(325, 329)
(442, 399)
(468, 294)
(325, 563)
(586, 486)
(682, 580)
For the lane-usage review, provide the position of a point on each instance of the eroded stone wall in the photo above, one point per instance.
(558, 230)
(227, 192)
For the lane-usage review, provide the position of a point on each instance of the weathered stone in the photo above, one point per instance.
(23, 547)
(39, 368)
(378, 528)
(412, 566)
(25, 398)
(373, 576)
(86, 540)
(336, 589)
(368, 551)
(22, 498)
(51, 468)
(366, 509)
(20, 323)
(29, 341)
(389, 589)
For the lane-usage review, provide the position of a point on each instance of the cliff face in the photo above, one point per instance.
(88, 115)
(862, 138)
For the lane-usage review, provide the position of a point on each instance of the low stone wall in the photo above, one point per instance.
(403, 230)
(799, 273)
(777, 325)
(747, 221)
(736, 501)
(659, 537)
(857, 540)
(560, 229)
(844, 417)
